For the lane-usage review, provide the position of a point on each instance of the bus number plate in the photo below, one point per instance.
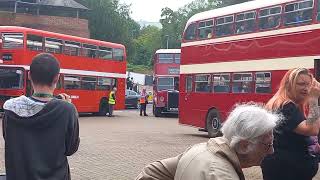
(173, 109)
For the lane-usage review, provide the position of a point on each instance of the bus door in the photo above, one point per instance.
(185, 103)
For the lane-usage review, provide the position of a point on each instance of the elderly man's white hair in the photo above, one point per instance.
(247, 122)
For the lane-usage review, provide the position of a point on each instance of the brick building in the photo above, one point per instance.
(61, 16)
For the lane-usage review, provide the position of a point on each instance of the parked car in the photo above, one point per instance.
(132, 99)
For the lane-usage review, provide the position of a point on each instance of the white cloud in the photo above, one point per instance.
(150, 10)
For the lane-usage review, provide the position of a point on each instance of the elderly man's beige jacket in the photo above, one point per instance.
(213, 160)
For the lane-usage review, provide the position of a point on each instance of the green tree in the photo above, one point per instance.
(146, 44)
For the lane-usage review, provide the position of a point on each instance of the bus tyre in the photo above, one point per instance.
(103, 108)
(213, 123)
(156, 111)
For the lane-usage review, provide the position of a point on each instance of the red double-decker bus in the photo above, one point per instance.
(166, 81)
(89, 68)
(240, 53)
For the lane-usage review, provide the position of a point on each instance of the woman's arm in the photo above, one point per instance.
(310, 126)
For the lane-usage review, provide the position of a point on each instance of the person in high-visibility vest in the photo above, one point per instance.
(143, 102)
(112, 101)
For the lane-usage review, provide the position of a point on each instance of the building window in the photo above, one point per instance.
(118, 54)
(88, 83)
(12, 40)
(242, 83)
(34, 43)
(189, 84)
(224, 26)
(221, 83)
(270, 18)
(53, 45)
(89, 50)
(105, 53)
(245, 22)
(105, 83)
(202, 83)
(72, 82)
(206, 29)
(190, 33)
(165, 58)
(298, 13)
(72, 48)
(263, 82)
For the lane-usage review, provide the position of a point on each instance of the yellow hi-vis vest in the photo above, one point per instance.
(111, 100)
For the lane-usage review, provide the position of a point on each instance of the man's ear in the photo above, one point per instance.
(243, 146)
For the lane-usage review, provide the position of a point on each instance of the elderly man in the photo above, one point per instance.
(247, 139)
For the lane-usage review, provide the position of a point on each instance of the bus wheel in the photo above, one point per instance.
(156, 111)
(213, 123)
(103, 108)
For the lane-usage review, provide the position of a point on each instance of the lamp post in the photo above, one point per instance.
(167, 36)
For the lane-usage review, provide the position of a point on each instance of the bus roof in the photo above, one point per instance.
(168, 51)
(17, 29)
(237, 8)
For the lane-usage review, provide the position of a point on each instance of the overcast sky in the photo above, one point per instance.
(150, 10)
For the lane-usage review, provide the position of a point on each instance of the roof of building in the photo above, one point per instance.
(57, 3)
(63, 3)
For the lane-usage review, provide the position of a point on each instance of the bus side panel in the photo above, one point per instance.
(120, 95)
(195, 106)
(291, 45)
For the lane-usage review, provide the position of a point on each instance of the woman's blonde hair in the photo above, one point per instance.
(287, 90)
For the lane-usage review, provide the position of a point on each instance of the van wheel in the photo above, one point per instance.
(156, 111)
(213, 123)
(103, 108)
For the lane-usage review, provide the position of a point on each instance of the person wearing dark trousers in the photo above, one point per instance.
(143, 102)
(42, 130)
(112, 101)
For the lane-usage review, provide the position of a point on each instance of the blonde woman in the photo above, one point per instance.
(296, 100)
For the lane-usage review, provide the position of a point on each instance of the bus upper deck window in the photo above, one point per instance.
(205, 29)
(190, 33)
(298, 13)
(224, 26)
(34, 43)
(118, 54)
(270, 18)
(12, 40)
(105, 53)
(245, 22)
(53, 45)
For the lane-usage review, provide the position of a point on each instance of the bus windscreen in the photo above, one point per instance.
(11, 78)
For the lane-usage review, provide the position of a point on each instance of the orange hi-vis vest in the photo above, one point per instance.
(142, 100)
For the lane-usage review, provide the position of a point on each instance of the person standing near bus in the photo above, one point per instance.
(40, 131)
(112, 101)
(297, 94)
(143, 102)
